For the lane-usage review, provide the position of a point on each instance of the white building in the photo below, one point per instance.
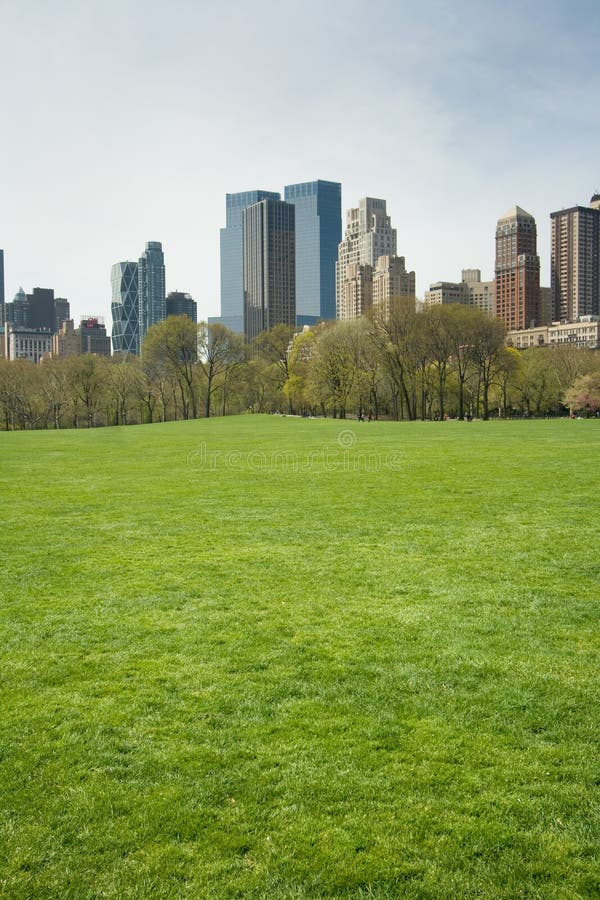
(27, 343)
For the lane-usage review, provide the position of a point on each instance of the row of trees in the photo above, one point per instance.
(446, 360)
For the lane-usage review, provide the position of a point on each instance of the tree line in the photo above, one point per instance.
(431, 364)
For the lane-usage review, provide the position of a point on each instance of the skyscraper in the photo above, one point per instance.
(269, 266)
(44, 310)
(318, 234)
(575, 266)
(369, 235)
(17, 311)
(232, 256)
(180, 304)
(40, 309)
(151, 287)
(517, 291)
(125, 308)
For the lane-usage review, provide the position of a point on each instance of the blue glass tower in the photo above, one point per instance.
(318, 234)
(124, 308)
(232, 257)
(152, 299)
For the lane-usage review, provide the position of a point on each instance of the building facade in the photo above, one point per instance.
(575, 262)
(584, 334)
(269, 266)
(232, 257)
(93, 336)
(90, 337)
(125, 308)
(318, 234)
(517, 271)
(180, 304)
(16, 312)
(357, 291)
(546, 306)
(470, 291)
(391, 282)
(444, 292)
(151, 287)
(27, 343)
(481, 293)
(38, 310)
(369, 235)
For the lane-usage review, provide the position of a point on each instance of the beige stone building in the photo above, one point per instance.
(369, 235)
(90, 337)
(391, 281)
(357, 292)
(585, 333)
(471, 291)
(444, 292)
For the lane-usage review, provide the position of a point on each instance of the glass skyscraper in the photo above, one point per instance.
(318, 233)
(269, 266)
(151, 287)
(232, 259)
(180, 304)
(125, 308)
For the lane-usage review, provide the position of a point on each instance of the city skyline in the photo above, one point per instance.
(469, 84)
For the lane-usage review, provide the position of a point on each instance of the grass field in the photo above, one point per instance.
(283, 658)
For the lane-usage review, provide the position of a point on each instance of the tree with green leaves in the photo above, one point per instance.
(218, 348)
(486, 353)
(172, 346)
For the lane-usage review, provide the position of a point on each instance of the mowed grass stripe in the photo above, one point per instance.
(274, 657)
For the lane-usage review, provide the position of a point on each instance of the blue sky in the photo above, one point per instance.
(127, 122)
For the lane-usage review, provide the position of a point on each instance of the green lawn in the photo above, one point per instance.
(270, 657)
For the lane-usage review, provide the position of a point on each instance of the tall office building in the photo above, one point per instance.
(391, 282)
(180, 304)
(369, 235)
(318, 234)
(40, 309)
(517, 288)
(16, 312)
(269, 266)
(62, 312)
(44, 310)
(232, 257)
(125, 308)
(151, 287)
(575, 266)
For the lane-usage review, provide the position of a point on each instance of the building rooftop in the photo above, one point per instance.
(516, 212)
